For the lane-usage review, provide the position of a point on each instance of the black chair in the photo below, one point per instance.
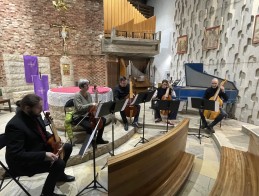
(7, 172)
(69, 104)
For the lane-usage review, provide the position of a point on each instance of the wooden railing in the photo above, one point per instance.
(159, 167)
(239, 171)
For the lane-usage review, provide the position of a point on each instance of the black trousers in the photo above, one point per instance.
(86, 124)
(136, 117)
(221, 115)
(55, 170)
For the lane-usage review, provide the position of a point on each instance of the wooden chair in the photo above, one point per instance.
(2, 101)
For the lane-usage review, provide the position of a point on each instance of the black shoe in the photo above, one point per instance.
(170, 122)
(126, 126)
(135, 124)
(203, 126)
(210, 129)
(101, 141)
(157, 120)
(66, 178)
(53, 194)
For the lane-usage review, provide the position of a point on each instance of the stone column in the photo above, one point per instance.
(67, 71)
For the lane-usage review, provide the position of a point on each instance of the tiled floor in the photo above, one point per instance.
(200, 181)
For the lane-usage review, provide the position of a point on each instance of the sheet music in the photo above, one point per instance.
(134, 100)
(84, 148)
(98, 110)
(125, 104)
(189, 101)
(182, 103)
(216, 106)
(119, 105)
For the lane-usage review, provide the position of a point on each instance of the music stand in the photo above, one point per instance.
(143, 97)
(84, 147)
(169, 105)
(202, 104)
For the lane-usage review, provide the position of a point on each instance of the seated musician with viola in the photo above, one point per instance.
(160, 94)
(210, 92)
(28, 151)
(83, 106)
(121, 91)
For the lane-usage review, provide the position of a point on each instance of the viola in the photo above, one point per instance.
(92, 112)
(213, 114)
(54, 141)
(130, 110)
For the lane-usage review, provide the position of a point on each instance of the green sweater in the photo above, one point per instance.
(82, 104)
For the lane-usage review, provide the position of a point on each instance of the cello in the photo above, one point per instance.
(213, 114)
(130, 110)
(54, 141)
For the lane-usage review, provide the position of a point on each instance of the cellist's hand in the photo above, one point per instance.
(49, 156)
(222, 89)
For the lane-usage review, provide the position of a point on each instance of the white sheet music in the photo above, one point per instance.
(125, 104)
(216, 106)
(182, 103)
(98, 110)
(190, 101)
(134, 100)
(91, 138)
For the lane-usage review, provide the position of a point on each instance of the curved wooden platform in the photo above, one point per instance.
(158, 167)
(239, 171)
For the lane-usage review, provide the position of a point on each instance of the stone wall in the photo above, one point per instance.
(13, 68)
(25, 29)
(236, 58)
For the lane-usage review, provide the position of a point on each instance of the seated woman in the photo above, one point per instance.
(83, 104)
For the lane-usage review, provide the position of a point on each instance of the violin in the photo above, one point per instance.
(213, 114)
(92, 112)
(54, 141)
(130, 110)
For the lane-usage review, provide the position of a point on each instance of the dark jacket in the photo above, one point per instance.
(161, 92)
(210, 92)
(120, 92)
(25, 144)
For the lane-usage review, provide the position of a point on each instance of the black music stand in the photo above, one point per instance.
(94, 184)
(202, 104)
(143, 97)
(168, 105)
(110, 108)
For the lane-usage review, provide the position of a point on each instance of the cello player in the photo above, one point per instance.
(121, 91)
(83, 102)
(210, 92)
(159, 93)
(27, 151)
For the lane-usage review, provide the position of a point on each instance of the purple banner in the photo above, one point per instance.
(30, 67)
(41, 87)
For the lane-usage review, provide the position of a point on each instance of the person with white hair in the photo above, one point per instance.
(83, 104)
